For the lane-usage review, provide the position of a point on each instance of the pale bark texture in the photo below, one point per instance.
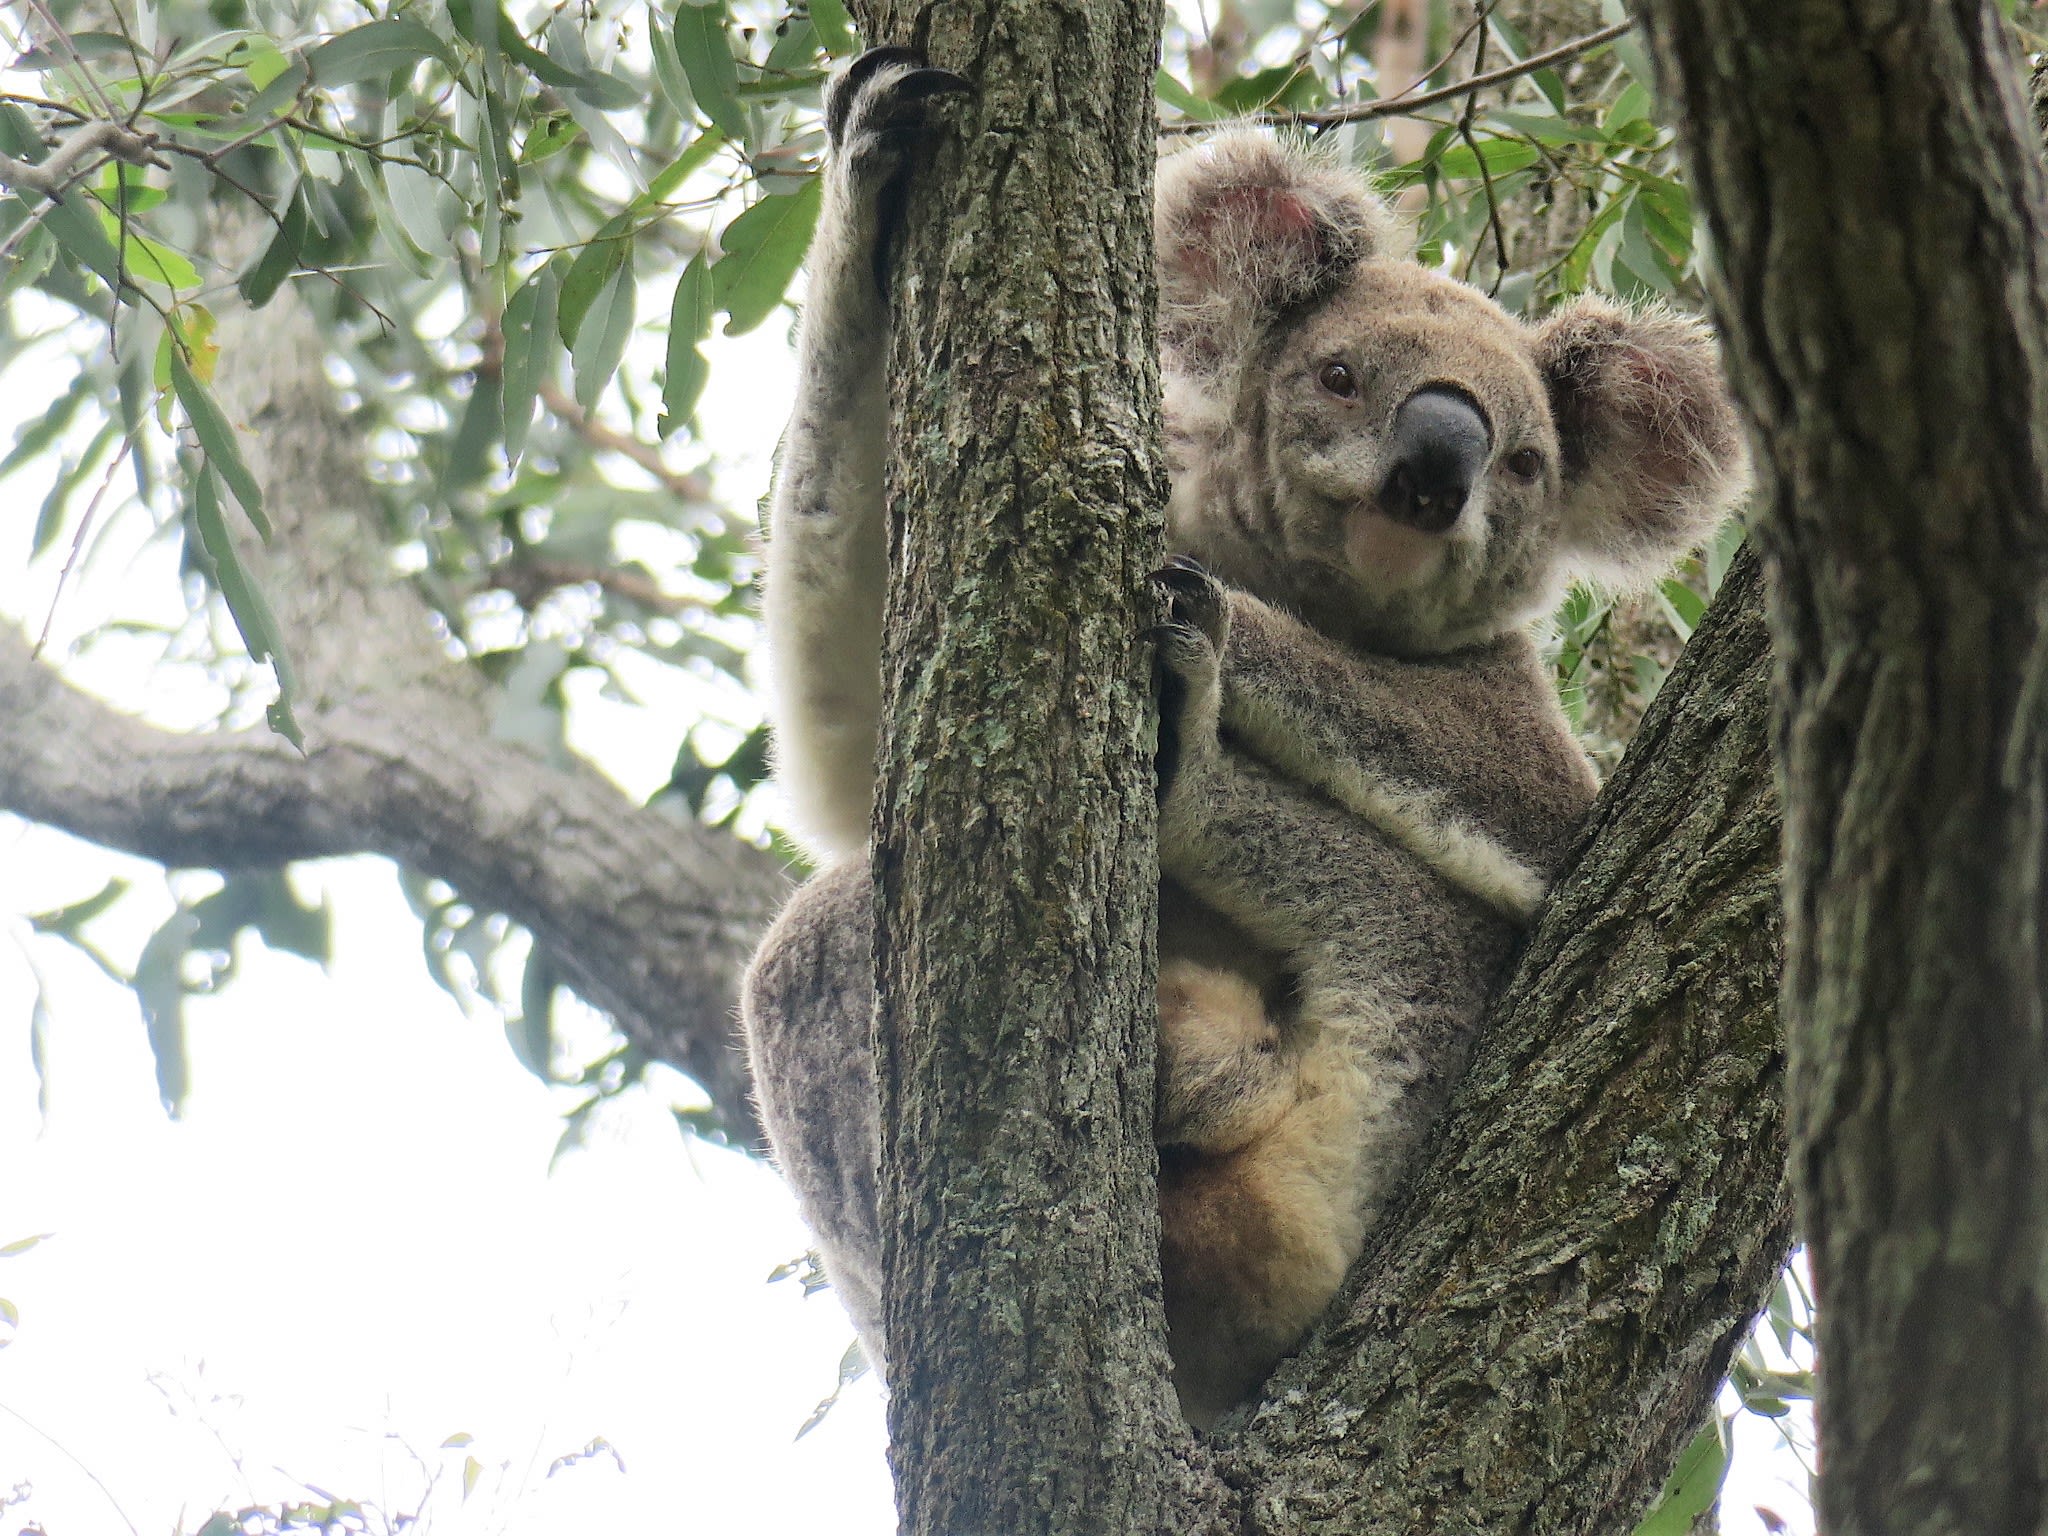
(1876, 196)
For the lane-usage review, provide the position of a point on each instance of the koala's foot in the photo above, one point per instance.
(1190, 673)
(874, 115)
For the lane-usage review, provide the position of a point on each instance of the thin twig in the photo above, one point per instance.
(1409, 102)
(72, 161)
(77, 59)
(1500, 239)
(598, 435)
(36, 1429)
(84, 527)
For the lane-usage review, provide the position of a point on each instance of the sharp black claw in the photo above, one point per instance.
(920, 83)
(924, 83)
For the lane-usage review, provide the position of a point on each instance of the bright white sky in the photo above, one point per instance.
(351, 1249)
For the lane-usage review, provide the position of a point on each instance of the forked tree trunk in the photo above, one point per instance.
(1545, 1320)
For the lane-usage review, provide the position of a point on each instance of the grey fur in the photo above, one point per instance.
(1372, 783)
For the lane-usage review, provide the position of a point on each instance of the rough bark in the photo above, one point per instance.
(648, 918)
(1013, 855)
(1878, 203)
(1546, 1315)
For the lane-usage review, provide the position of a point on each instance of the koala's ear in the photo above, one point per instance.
(1653, 453)
(1247, 227)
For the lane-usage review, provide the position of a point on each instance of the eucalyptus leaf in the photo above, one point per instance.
(217, 440)
(375, 50)
(530, 339)
(689, 322)
(601, 341)
(704, 47)
(762, 250)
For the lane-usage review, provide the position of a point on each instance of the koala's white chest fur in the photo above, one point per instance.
(1366, 782)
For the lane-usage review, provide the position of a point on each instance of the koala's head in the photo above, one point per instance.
(1385, 450)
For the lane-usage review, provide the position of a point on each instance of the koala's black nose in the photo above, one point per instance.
(1441, 441)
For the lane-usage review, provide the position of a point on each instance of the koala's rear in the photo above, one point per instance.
(1367, 783)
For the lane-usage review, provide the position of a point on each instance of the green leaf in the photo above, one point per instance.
(835, 27)
(68, 919)
(247, 605)
(529, 326)
(1547, 130)
(22, 1245)
(689, 322)
(547, 137)
(39, 435)
(1183, 100)
(669, 78)
(1578, 261)
(680, 169)
(762, 249)
(1633, 103)
(704, 47)
(531, 1035)
(601, 341)
(374, 50)
(217, 440)
(1499, 156)
(601, 257)
(481, 425)
(280, 257)
(160, 989)
(1692, 1487)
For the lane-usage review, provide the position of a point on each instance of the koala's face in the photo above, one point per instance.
(1414, 463)
(1385, 450)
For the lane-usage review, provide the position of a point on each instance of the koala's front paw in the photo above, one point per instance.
(874, 111)
(1190, 651)
(874, 115)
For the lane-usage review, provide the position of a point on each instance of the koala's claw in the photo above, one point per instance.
(1195, 600)
(883, 91)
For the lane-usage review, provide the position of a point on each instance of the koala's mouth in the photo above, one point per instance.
(1389, 552)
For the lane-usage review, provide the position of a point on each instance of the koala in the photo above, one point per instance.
(1379, 478)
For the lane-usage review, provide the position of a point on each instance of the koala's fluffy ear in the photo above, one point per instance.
(1247, 227)
(1653, 454)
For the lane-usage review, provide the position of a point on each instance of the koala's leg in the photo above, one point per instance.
(806, 1008)
(827, 540)
(1392, 967)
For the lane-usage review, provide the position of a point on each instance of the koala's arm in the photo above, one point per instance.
(827, 538)
(1465, 762)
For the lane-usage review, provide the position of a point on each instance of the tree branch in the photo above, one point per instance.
(1414, 101)
(645, 916)
(649, 918)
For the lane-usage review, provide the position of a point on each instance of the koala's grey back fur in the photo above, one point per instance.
(1371, 782)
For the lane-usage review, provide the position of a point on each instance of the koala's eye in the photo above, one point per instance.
(1339, 381)
(1525, 463)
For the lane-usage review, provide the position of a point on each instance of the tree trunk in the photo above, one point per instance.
(1877, 199)
(1013, 857)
